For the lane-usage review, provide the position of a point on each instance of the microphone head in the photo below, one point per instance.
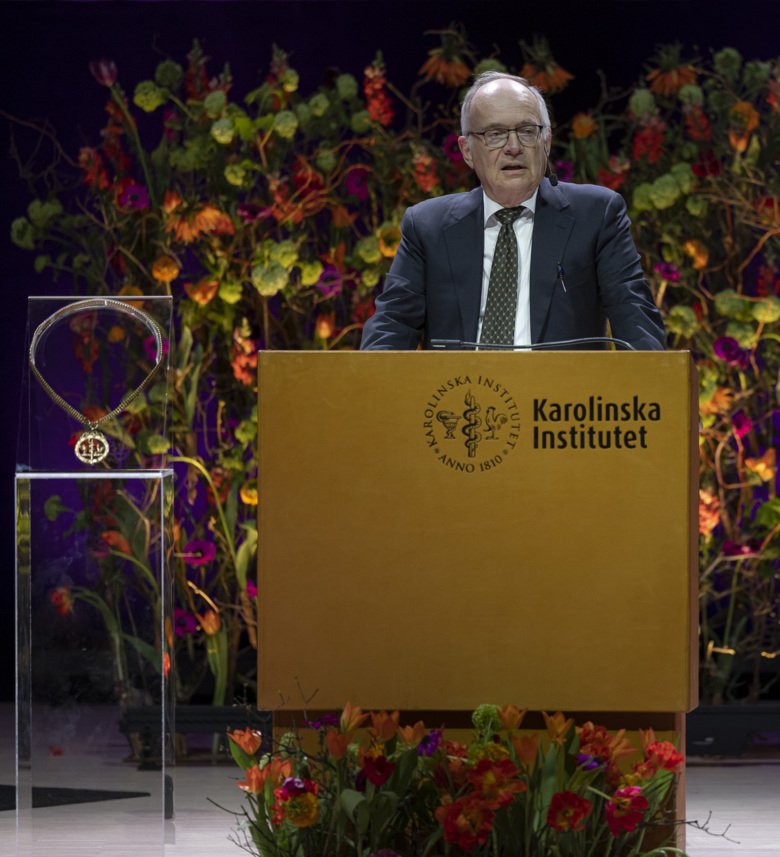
(552, 178)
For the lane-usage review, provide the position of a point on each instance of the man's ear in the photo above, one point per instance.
(465, 150)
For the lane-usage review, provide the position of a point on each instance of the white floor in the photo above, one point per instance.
(745, 798)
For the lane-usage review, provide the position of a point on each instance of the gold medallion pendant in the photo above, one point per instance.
(91, 447)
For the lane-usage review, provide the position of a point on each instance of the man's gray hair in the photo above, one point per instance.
(489, 77)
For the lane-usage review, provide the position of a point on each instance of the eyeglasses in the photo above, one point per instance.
(496, 138)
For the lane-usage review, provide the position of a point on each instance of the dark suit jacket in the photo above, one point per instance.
(434, 285)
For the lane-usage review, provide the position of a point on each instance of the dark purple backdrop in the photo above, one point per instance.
(45, 49)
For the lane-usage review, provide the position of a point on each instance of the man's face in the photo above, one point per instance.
(510, 174)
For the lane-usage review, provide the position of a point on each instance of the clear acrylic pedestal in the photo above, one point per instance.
(94, 635)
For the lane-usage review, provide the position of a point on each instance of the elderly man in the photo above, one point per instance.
(520, 259)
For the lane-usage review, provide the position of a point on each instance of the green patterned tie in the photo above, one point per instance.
(498, 323)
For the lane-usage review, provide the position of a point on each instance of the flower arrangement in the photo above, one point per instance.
(389, 790)
(272, 218)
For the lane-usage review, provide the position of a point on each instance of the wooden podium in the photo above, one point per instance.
(443, 529)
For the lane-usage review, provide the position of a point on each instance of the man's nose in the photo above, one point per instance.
(513, 143)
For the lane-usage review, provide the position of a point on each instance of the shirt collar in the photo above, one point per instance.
(491, 207)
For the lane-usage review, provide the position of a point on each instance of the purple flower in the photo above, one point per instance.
(741, 424)
(150, 348)
(330, 280)
(199, 552)
(564, 170)
(667, 270)
(452, 149)
(294, 786)
(184, 623)
(588, 762)
(134, 196)
(356, 182)
(322, 722)
(730, 351)
(251, 589)
(430, 743)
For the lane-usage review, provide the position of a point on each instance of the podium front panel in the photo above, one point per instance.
(442, 529)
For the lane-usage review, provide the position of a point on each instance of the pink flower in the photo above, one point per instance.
(741, 424)
(104, 71)
(199, 552)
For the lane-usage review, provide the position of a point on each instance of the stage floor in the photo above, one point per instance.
(741, 795)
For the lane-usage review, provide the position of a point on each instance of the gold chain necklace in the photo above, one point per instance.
(92, 445)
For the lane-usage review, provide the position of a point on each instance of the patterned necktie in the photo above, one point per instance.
(498, 323)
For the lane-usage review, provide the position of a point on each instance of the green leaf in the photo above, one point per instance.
(53, 507)
(246, 552)
(147, 651)
(768, 514)
(350, 801)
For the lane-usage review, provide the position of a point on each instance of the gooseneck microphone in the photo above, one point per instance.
(462, 345)
(552, 178)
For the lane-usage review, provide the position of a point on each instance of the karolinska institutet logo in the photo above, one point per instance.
(471, 424)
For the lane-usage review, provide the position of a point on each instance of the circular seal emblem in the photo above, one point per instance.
(471, 424)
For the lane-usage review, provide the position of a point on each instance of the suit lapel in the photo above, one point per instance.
(552, 226)
(463, 229)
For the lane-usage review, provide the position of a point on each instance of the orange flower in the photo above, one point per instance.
(449, 72)
(116, 333)
(166, 664)
(325, 326)
(744, 120)
(210, 622)
(208, 219)
(412, 735)
(698, 253)
(510, 716)
(557, 727)
(549, 77)
(765, 467)
(171, 201)
(337, 743)
(352, 717)
(583, 126)
(342, 217)
(254, 782)
(249, 740)
(424, 172)
(202, 292)
(383, 725)
(115, 539)
(670, 82)
(721, 402)
(165, 269)
(709, 512)
(526, 748)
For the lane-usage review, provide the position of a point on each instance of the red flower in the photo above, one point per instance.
(707, 165)
(626, 810)
(378, 102)
(568, 811)
(649, 141)
(95, 174)
(662, 755)
(62, 600)
(467, 822)
(377, 768)
(697, 125)
(495, 781)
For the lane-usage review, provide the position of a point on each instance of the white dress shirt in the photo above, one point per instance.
(524, 229)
